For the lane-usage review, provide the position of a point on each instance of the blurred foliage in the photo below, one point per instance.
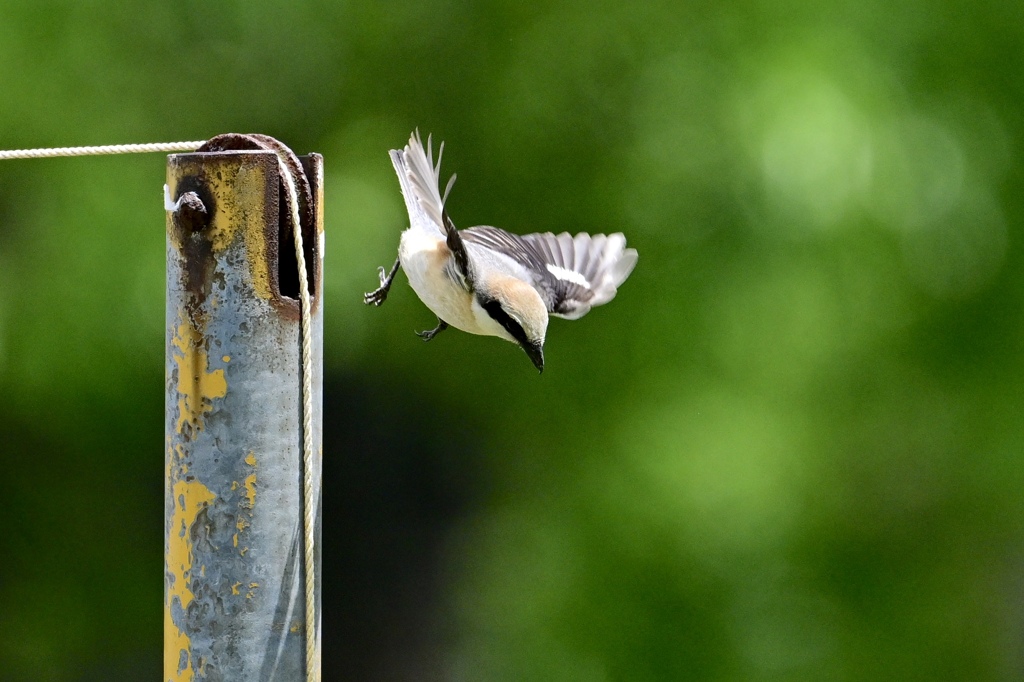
(790, 450)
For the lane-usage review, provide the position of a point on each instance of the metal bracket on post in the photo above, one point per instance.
(234, 603)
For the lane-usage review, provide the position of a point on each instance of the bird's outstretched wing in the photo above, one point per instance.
(573, 274)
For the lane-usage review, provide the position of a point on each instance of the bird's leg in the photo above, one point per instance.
(441, 326)
(379, 295)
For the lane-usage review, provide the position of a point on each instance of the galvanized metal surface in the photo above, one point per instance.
(234, 604)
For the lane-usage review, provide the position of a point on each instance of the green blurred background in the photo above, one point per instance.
(790, 450)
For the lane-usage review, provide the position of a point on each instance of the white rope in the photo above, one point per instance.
(50, 152)
(309, 507)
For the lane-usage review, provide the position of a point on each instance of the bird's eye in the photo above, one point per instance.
(501, 316)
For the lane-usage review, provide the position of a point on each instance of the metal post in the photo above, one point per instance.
(234, 573)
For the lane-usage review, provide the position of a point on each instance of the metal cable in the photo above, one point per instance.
(49, 152)
(309, 508)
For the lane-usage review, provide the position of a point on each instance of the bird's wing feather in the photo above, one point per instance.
(572, 274)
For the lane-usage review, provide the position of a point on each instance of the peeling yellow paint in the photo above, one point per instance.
(175, 642)
(250, 491)
(234, 588)
(250, 482)
(235, 190)
(247, 503)
(189, 498)
(197, 387)
(226, 359)
(176, 465)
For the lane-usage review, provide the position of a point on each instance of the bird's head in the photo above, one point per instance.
(519, 312)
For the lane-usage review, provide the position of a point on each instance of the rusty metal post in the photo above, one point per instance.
(234, 573)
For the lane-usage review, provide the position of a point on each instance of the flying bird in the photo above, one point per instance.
(484, 280)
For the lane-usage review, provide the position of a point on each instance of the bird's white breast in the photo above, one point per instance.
(424, 257)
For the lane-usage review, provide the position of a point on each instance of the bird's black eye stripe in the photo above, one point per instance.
(494, 309)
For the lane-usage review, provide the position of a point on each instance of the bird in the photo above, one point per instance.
(484, 280)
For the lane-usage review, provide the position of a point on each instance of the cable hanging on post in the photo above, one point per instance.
(309, 510)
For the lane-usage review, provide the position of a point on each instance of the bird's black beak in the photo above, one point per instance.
(536, 353)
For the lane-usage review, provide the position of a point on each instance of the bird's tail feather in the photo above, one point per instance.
(420, 178)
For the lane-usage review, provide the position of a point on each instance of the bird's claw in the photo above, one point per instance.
(380, 294)
(431, 333)
(376, 297)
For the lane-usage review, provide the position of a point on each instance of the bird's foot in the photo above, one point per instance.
(380, 294)
(428, 335)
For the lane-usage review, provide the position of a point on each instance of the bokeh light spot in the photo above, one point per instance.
(815, 151)
(956, 256)
(726, 466)
(918, 175)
